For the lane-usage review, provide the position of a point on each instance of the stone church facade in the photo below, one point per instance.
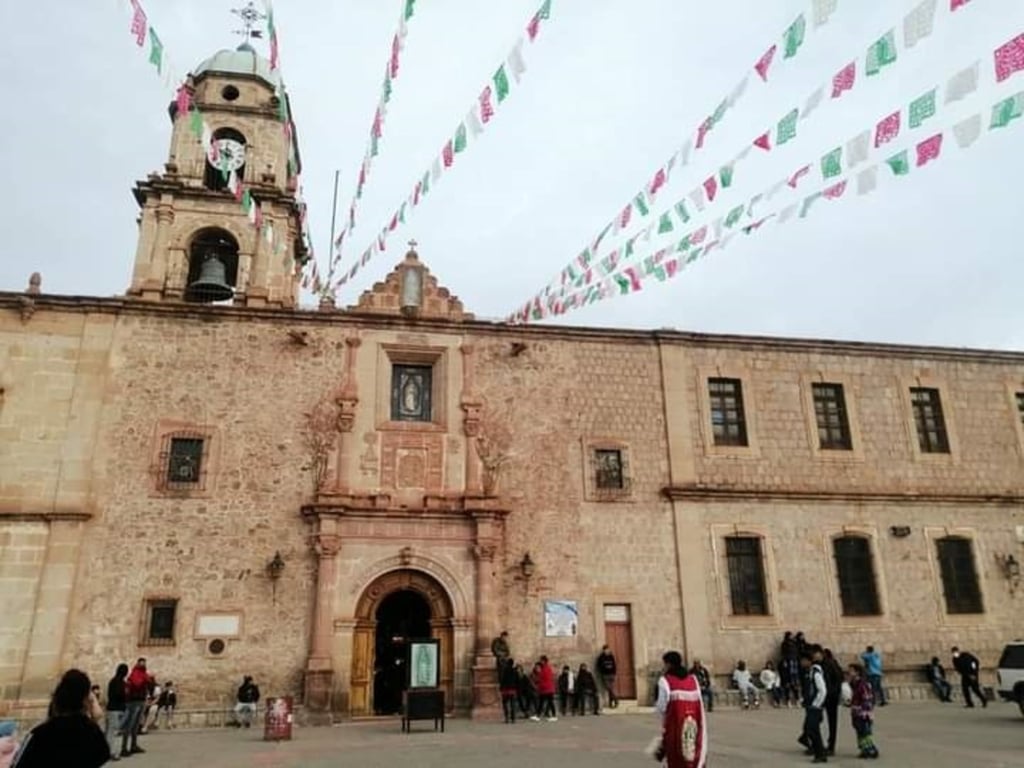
(239, 486)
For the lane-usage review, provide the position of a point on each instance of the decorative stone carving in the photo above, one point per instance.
(27, 307)
(326, 544)
(405, 555)
(485, 551)
(472, 410)
(368, 461)
(319, 437)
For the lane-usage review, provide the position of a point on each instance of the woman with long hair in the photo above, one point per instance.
(69, 738)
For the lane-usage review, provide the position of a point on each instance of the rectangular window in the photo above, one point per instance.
(931, 426)
(183, 462)
(1020, 407)
(856, 571)
(746, 576)
(728, 423)
(608, 469)
(411, 389)
(160, 620)
(830, 415)
(959, 577)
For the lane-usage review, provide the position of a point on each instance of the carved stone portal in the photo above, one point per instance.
(364, 637)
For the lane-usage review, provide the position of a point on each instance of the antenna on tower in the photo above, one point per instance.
(250, 17)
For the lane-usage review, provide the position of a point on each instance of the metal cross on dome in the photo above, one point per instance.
(250, 16)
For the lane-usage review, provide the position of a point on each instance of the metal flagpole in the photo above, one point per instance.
(334, 216)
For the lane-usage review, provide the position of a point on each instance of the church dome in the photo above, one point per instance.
(242, 61)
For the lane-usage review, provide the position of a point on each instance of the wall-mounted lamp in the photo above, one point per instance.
(1010, 566)
(275, 569)
(527, 567)
(899, 531)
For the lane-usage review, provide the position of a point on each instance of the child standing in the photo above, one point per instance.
(770, 681)
(567, 691)
(862, 705)
(748, 692)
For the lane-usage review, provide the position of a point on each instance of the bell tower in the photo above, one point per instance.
(222, 222)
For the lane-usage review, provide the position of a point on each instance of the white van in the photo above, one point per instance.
(1010, 675)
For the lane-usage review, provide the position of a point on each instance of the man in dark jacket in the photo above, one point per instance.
(606, 669)
(248, 695)
(969, 668)
(833, 672)
(703, 676)
(937, 677)
(586, 688)
(116, 690)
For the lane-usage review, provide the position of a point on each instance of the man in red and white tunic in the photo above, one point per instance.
(684, 728)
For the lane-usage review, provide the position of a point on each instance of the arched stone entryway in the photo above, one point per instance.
(365, 632)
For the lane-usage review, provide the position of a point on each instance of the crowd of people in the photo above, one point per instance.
(809, 676)
(532, 695)
(86, 728)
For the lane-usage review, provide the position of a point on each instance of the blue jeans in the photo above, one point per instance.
(114, 722)
(877, 689)
(943, 689)
(130, 725)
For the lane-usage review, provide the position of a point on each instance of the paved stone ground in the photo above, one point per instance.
(929, 735)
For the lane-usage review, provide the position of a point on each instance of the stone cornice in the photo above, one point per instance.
(499, 329)
(382, 506)
(46, 517)
(705, 493)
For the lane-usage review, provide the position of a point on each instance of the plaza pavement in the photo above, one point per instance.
(928, 734)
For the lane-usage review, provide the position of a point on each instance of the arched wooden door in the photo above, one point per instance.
(364, 638)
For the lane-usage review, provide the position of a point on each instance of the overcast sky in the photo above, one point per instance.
(612, 89)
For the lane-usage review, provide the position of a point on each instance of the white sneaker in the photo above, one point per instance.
(535, 718)
(552, 719)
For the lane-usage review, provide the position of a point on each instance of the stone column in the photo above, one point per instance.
(346, 400)
(471, 409)
(319, 669)
(156, 278)
(486, 699)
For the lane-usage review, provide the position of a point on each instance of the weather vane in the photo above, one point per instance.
(250, 16)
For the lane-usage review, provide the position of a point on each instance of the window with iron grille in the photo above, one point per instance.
(609, 474)
(183, 461)
(830, 415)
(959, 577)
(931, 426)
(855, 568)
(728, 423)
(160, 621)
(411, 392)
(746, 575)
(1020, 407)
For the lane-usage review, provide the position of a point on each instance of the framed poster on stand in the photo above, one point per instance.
(423, 698)
(423, 664)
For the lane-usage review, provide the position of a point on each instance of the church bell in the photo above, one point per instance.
(212, 284)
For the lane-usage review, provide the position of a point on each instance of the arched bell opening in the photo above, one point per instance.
(212, 267)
